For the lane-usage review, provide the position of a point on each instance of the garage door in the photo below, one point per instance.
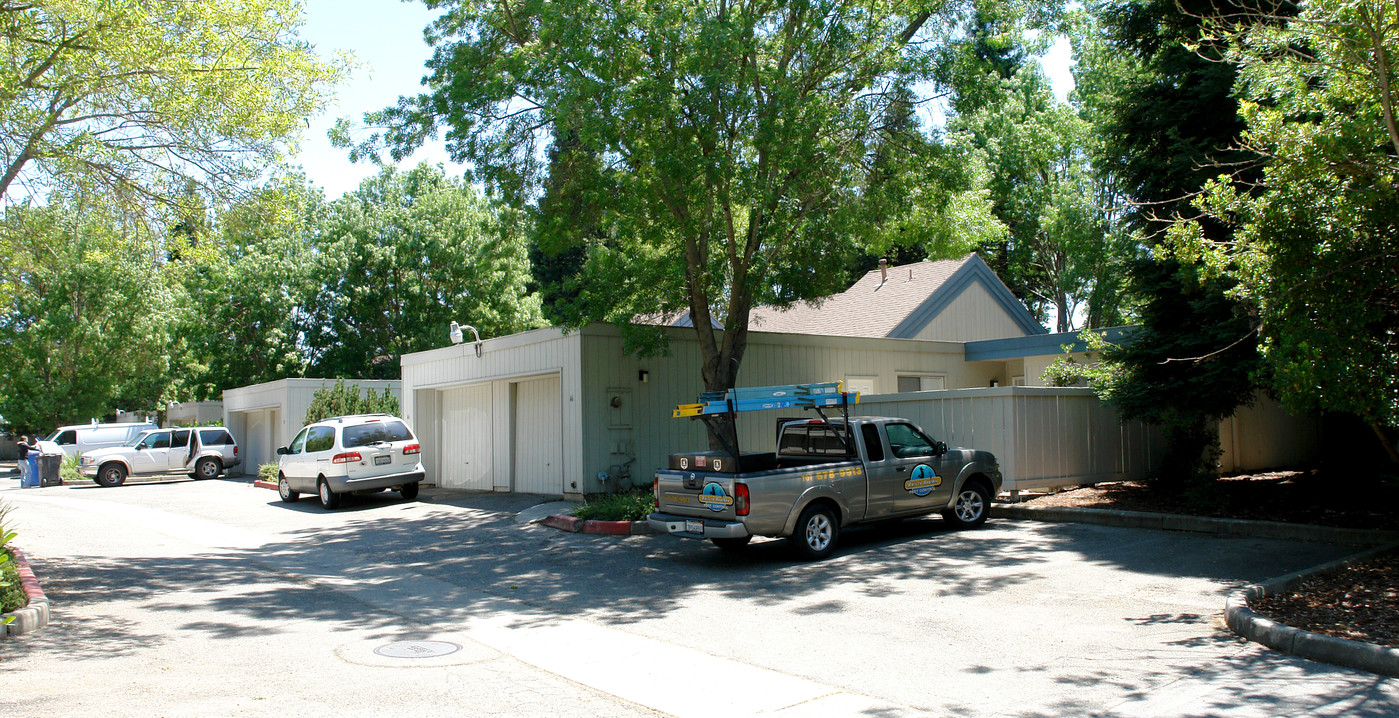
(538, 437)
(257, 436)
(466, 438)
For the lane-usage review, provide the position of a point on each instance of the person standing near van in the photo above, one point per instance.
(27, 467)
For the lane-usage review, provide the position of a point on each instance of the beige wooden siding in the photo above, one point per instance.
(1264, 436)
(1041, 436)
(770, 359)
(973, 316)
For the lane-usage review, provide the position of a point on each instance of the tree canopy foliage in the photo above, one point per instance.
(135, 98)
(1316, 246)
(721, 149)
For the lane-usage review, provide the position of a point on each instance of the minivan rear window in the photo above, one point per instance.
(366, 434)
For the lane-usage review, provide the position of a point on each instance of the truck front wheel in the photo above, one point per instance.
(971, 507)
(816, 534)
(112, 474)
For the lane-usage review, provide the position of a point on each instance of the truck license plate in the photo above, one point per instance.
(381, 460)
(694, 527)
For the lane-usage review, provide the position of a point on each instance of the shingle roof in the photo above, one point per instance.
(872, 307)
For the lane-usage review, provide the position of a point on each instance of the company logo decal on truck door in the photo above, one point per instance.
(715, 497)
(923, 481)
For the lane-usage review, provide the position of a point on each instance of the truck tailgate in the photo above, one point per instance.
(696, 493)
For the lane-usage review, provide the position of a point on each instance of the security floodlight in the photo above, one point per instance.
(455, 333)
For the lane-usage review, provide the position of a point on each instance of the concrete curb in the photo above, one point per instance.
(265, 484)
(34, 616)
(1306, 644)
(573, 524)
(1200, 524)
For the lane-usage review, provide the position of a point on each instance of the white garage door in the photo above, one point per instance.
(538, 437)
(258, 435)
(466, 438)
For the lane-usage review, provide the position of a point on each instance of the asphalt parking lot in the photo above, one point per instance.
(201, 579)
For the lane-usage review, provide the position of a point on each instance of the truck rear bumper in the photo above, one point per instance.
(691, 527)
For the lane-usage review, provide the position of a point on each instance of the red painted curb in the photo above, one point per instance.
(615, 528)
(27, 580)
(265, 484)
(565, 523)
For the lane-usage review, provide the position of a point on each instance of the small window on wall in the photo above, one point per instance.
(921, 382)
(1017, 380)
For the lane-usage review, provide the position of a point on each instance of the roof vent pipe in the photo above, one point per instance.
(883, 271)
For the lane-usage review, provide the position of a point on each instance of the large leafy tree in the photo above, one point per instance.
(136, 98)
(732, 140)
(1169, 126)
(400, 258)
(242, 322)
(87, 328)
(1317, 243)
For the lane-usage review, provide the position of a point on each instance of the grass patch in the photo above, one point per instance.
(630, 506)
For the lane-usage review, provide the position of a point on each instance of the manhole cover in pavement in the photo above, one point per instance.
(417, 649)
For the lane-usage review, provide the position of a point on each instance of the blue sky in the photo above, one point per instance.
(386, 37)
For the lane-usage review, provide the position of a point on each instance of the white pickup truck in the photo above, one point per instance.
(827, 474)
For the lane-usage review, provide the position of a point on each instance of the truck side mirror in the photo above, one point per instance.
(939, 448)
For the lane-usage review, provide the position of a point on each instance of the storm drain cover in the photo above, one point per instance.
(417, 649)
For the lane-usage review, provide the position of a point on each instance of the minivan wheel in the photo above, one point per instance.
(284, 490)
(111, 475)
(329, 499)
(207, 468)
(409, 491)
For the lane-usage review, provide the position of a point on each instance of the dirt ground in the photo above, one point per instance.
(1360, 603)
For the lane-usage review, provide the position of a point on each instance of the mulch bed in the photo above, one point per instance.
(1360, 603)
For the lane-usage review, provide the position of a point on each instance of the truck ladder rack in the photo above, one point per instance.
(790, 396)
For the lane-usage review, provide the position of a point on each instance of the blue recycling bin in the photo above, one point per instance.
(29, 473)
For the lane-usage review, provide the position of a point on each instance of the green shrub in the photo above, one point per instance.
(341, 400)
(11, 592)
(630, 506)
(267, 472)
(69, 470)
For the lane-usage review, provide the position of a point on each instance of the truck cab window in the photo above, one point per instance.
(874, 448)
(904, 441)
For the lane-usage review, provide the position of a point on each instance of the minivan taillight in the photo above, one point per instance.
(412, 449)
(740, 499)
(348, 457)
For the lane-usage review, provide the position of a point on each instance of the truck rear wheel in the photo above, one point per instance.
(732, 544)
(816, 534)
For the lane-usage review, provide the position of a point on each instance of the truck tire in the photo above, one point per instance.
(816, 534)
(732, 544)
(284, 490)
(113, 474)
(329, 499)
(970, 508)
(207, 468)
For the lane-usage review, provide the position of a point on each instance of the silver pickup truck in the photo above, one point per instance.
(825, 475)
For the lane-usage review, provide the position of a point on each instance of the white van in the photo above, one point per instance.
(82, 438)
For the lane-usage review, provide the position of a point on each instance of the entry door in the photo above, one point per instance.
(538, 437)
(466, 439)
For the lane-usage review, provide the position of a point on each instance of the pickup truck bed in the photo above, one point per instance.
(877, 468)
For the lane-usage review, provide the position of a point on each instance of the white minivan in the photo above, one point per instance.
(82, 438)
